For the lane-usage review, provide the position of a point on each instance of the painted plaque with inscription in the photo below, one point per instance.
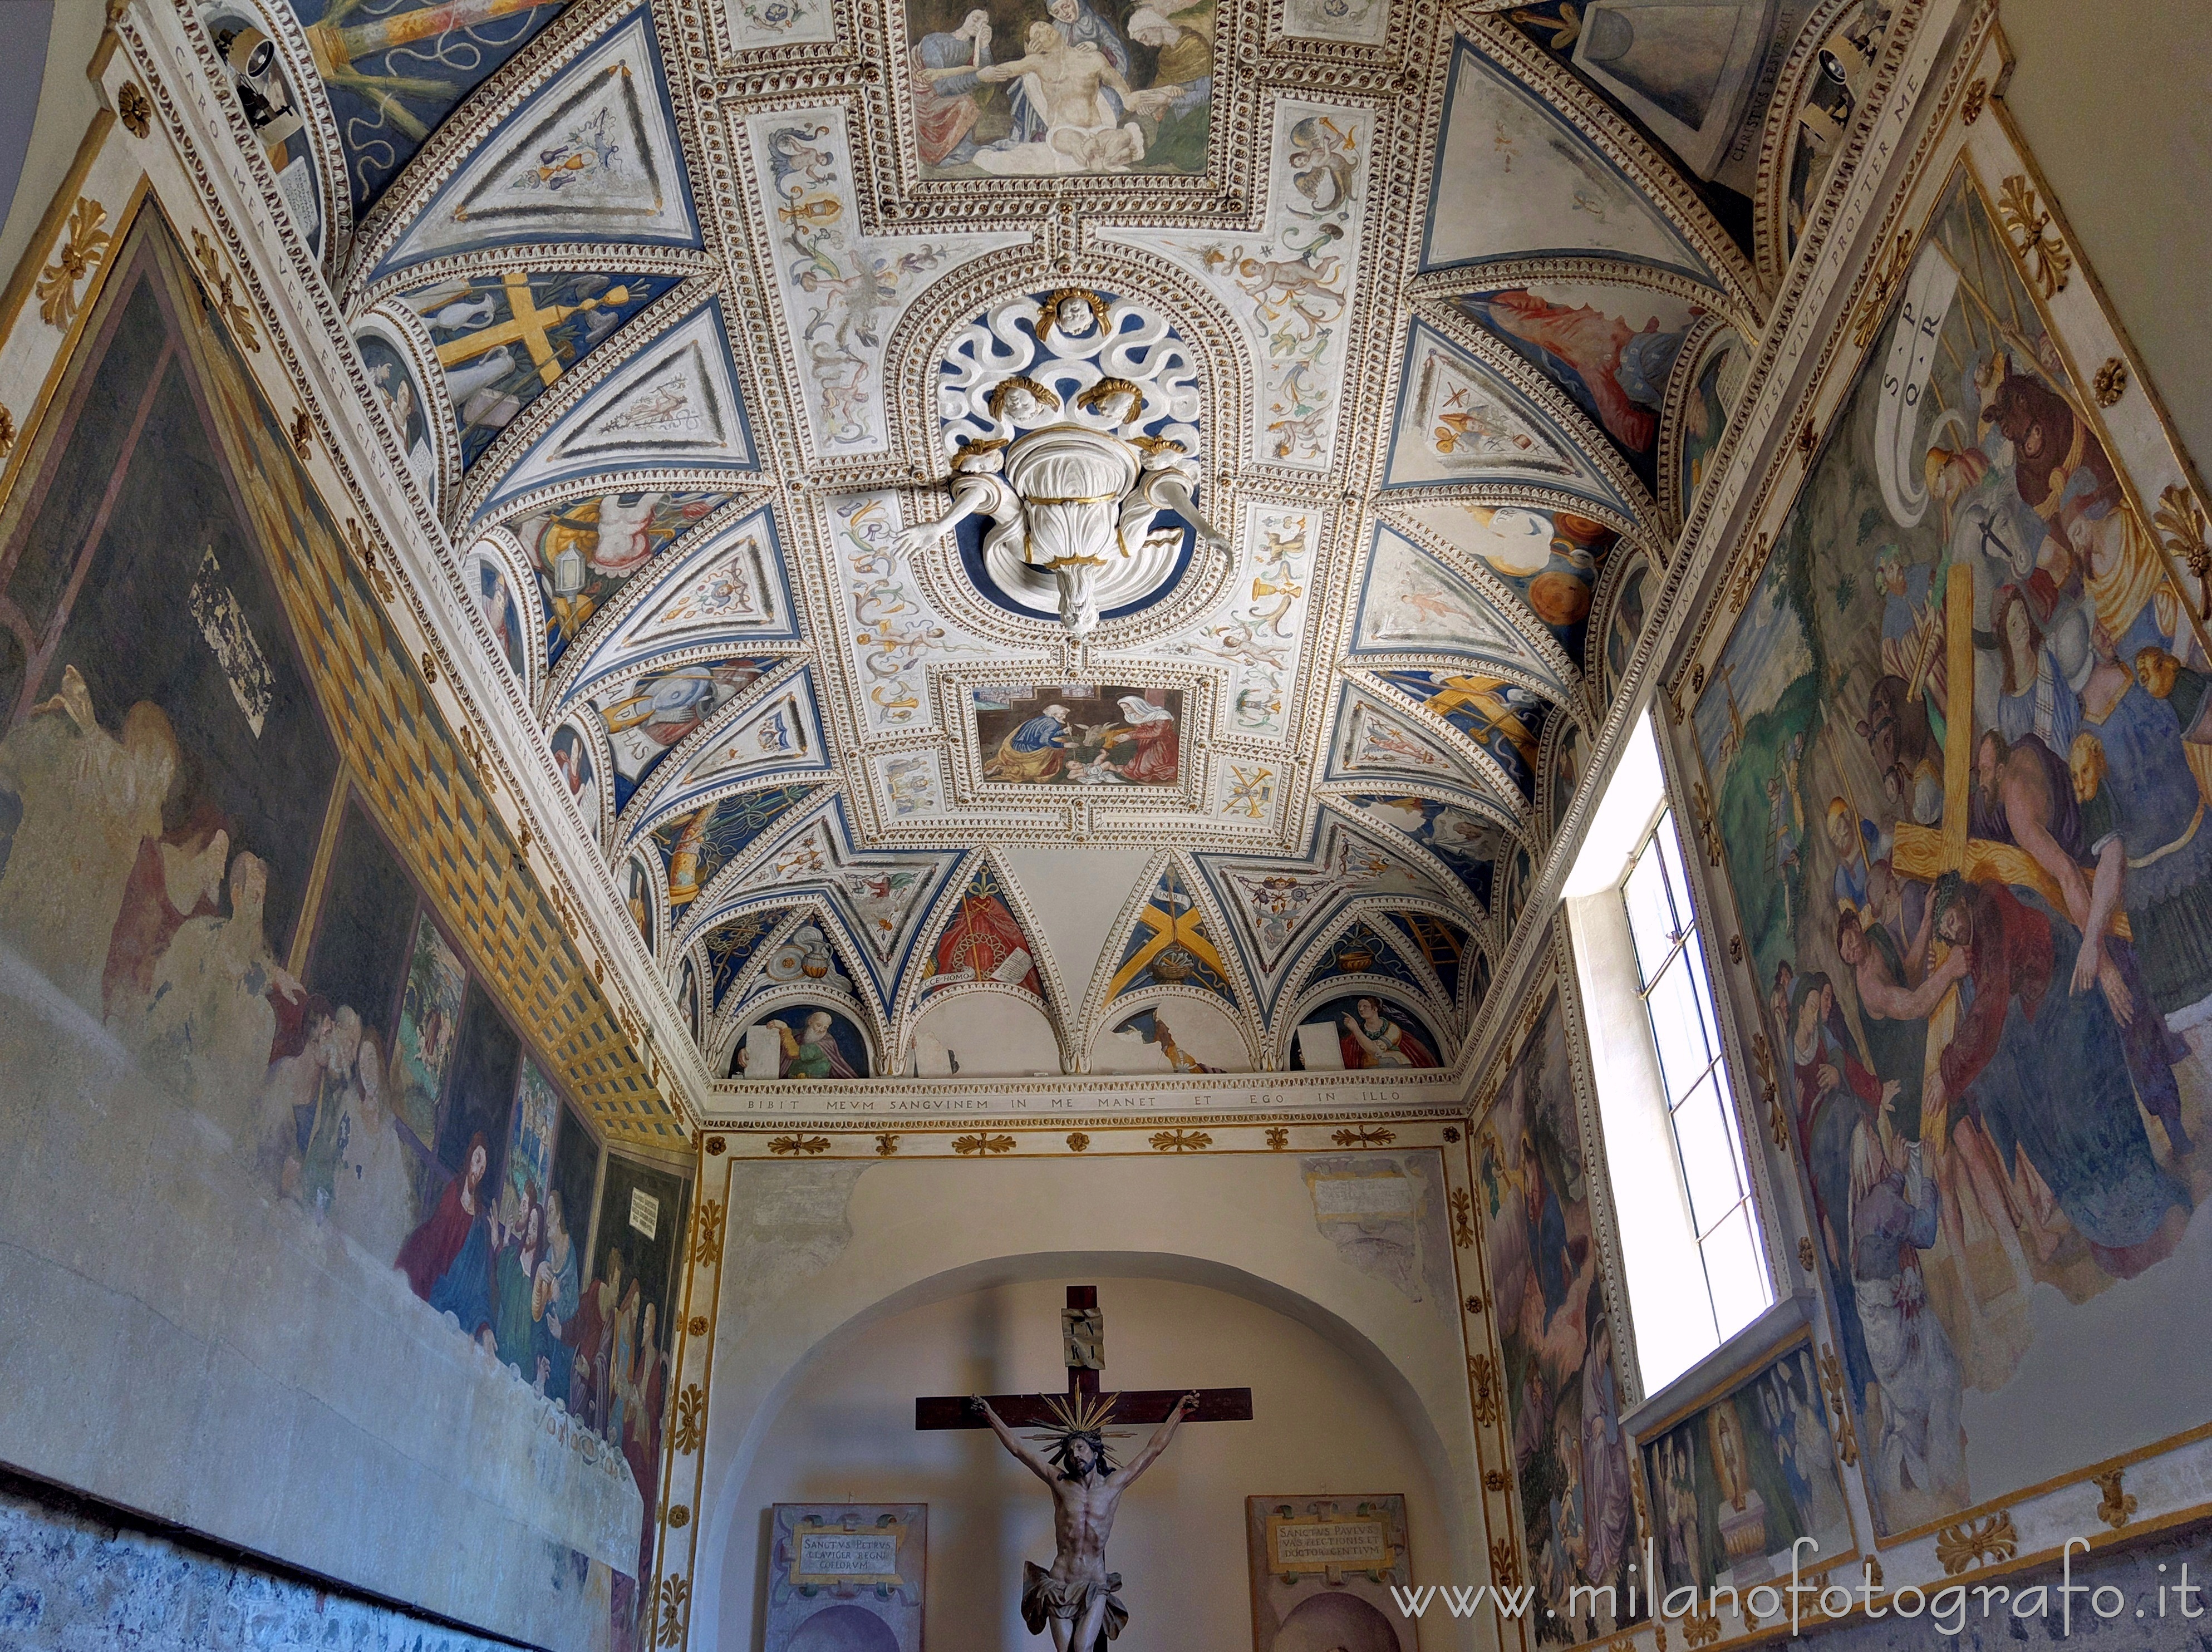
(1322, 1571)
(846, 1575)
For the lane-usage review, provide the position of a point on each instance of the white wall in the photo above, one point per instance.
(846, 1434)
(67, 102)
(2111, 101)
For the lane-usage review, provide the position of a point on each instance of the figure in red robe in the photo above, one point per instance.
(432, 1249)
(1372, 1039)
(177, 876)
(640, 1443)
(592, 1329)
(947, 89)
(980, 938)
(1158, 759)
(1623, 372)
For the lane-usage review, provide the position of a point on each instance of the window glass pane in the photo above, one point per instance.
(1708, 1156)
(1684, 1055)
(1650, 918)
(1693, 950)
(1678, 882)
(1735, 1273)
(1713, 1280)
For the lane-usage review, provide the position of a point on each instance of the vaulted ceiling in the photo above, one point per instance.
(678, 314)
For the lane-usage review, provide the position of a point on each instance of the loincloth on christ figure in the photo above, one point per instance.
(1045, 1597)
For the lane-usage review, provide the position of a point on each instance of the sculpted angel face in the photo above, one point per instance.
(1072, 316)
(1116, 404)
(1019, 403)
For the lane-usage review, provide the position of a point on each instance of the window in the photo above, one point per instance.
(1696, 1263)
(1678, 1005)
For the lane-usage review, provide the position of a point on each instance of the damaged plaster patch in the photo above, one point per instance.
(787, 1222)
(1385, 1213)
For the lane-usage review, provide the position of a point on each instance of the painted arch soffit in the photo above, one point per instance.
(766, 259)
(575, 139)
(1516, 141)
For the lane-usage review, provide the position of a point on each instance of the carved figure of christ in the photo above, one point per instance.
(1076, 1597)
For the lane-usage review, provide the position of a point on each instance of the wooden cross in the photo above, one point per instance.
(528, 326)
(1083, 1329)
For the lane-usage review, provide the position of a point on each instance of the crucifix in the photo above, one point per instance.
(1078, 1598)
(529, 327)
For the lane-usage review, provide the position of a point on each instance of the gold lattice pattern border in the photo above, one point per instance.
(419, 781)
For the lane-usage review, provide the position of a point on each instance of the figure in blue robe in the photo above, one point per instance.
(2148, 797)
(2048, 1069)
(463, 1289)
(1547, 1236)
(1901, 609)
(560, 1308)
(1080, 24)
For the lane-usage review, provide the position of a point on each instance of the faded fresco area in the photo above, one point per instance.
(1028, 89)
(1959, 771)
(1733, 1485)
(194, 889)
(1563, 1399)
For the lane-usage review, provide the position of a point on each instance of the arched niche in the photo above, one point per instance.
(1169, 1032)
(845, 1430)
(819, 1254)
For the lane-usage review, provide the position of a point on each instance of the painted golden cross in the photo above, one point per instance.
(1481, 695)
(528, 326)
(1185, 928)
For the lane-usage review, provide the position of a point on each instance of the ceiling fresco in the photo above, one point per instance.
(932, 467)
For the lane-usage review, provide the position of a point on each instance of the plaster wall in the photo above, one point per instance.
(819, 1254)
(71, 1580)
(846, 1434)
(2112, 103)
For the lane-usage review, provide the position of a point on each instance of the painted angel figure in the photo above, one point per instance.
(1076, 505)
